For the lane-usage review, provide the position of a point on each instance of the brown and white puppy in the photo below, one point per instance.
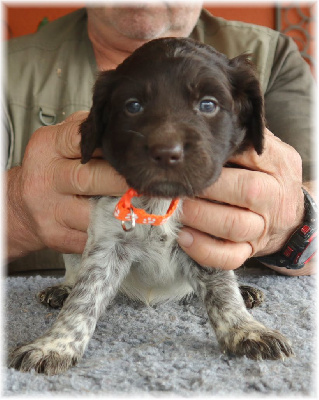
(168, 119)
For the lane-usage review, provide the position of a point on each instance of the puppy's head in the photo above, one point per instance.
(170, 116)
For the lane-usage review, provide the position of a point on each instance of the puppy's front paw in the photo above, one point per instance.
(54, 296)
(43, 359)
(258, 344)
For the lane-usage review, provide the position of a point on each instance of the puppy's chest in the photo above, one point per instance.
(157, 262)
(156, 245)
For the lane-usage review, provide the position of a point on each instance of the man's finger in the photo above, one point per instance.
(271, 158)
(70, 241)
(211, 252)
(74, 213)
(242, 188)
(95, 178)
(78, 115)
(223, 221)
(67, 139)
(67, 135)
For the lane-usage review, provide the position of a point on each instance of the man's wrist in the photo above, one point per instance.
(301, 247)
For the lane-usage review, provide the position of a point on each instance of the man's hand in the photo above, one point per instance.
(255, 211)
(47, 203)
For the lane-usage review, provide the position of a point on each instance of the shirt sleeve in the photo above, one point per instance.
(7, 140)
(289, 102)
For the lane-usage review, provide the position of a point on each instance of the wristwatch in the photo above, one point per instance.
(302, 244)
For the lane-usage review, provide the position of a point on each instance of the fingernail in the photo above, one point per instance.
(185, 238)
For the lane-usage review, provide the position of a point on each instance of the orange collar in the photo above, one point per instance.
(125, 211)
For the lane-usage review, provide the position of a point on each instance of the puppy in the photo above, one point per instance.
(168, 119)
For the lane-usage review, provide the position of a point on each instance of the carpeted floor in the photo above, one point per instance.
(169, 349)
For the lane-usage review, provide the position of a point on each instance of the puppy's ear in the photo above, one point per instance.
(94, 126)
(249, 102)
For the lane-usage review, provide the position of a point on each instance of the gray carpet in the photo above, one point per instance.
(169, 349)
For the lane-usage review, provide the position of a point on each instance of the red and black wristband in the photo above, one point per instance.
(302, 244)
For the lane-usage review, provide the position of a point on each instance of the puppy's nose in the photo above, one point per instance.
(166, 156)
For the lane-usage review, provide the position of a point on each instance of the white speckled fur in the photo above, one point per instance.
(158, 276)
(146, 264)
(155, 278)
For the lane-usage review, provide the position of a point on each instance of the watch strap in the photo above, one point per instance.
(302, 244)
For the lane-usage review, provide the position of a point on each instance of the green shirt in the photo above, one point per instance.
(51, 74)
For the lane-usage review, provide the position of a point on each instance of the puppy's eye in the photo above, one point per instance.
(133, 106)
(208, 105)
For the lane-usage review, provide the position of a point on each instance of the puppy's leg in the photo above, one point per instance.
(55, 296)
(102, 272)
(236, 330)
